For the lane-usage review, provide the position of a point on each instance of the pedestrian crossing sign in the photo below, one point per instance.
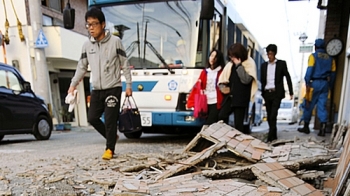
(41, 41)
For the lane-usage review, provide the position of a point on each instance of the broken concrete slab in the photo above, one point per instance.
(276, 175)
(240, 144)
(196, 184)
(192, 161)
(254, 150)
(237, 172)
(343, 169)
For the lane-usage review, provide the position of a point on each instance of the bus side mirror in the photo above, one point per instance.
(68, 17)
(207, 11)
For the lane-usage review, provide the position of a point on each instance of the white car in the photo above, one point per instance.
(288, 112)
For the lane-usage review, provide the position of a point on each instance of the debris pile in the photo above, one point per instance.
(218, 161)
(223, 160)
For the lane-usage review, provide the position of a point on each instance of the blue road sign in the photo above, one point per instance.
(41, 41)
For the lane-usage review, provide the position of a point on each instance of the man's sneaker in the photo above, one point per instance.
(107, 155)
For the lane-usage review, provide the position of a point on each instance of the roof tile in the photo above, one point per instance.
(302, 189)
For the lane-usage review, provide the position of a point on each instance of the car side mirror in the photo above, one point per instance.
(27, 87)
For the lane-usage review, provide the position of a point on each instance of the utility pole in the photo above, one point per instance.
(41, 80)
(302, 38)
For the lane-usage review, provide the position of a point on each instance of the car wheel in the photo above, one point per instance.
(133, 135)
(1, 137)
(42, 128)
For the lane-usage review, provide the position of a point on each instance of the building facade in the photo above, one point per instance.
(61, 53)
(337, 26)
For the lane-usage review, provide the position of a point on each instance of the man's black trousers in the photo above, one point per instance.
(108, 102)
(272, 104)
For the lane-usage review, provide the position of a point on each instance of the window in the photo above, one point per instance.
(250, 46)
(47, 20)
(159, 36)
(238, 35)
(215, 32)
(230, 33)
(214, 40)
(9, 80)
(53, 4)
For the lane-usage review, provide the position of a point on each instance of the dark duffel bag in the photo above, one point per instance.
(129, 117)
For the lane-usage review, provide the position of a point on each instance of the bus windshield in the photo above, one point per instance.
(155, 33)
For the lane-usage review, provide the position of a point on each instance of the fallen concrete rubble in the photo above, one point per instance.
(223, 161)
(218, 161)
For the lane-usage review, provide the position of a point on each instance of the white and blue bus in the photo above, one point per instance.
(168, 44)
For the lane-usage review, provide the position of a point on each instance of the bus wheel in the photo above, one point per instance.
(133, 135)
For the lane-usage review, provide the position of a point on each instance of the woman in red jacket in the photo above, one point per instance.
(208, 81)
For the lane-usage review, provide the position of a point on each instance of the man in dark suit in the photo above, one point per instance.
(272, 74)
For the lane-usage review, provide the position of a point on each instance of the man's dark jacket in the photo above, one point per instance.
(280, 72)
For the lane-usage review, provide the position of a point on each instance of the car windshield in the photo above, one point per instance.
(286, 105)
(156, 30)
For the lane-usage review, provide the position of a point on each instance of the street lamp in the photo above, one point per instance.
(302, 38)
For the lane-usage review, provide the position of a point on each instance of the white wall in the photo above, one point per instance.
(63, 43)
(16, 49)
(344, 106)
(20, 10)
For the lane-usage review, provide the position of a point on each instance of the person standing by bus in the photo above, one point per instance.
(240, 76)
(106, 56)
(272, 74)
(208, 80)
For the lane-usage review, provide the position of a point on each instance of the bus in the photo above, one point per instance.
(168, 44)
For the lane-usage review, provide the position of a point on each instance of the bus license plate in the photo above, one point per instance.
(146, 119)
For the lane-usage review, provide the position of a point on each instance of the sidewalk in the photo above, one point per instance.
(289, 132)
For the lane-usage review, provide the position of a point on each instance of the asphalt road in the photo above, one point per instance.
(86, 142)
(81, 142)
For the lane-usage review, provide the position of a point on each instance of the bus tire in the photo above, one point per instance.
(133, 135)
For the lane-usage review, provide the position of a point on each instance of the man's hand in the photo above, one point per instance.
(128, 92)
(291, 97)
(71, 90)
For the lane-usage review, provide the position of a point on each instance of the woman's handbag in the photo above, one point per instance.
(129, 118)
(200, 103)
